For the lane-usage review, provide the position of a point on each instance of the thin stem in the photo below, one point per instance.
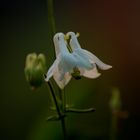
(51, 19)
(63, 109)
(63, 127)
(113, 129)
(63, 97)
(63, 100)
(55, 100)
(61, 116)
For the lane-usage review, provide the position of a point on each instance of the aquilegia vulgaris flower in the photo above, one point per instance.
(72, 61)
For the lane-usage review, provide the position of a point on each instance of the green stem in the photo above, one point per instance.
(63, 99)
(51, 19)
(63, 127)
(61, 116)
(55, 100)
(113, 129)
(64, 109)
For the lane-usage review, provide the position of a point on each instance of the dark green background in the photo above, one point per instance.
(109, 28)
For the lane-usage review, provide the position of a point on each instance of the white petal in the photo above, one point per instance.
(60, 44)
(90, 73)
(96, 60)
(55, 40)
(61, 78)
(61, 74)
(51, 70)
(62, 83)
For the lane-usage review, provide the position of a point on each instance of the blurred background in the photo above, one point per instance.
(108, 28)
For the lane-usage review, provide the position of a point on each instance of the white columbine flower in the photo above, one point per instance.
(72, 61)
(88, 56)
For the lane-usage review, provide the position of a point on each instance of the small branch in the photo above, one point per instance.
(74, 110)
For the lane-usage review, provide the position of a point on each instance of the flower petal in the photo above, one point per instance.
(84, 53)
(64, 81)
(91, 73)
(56, 43)
(73, 41)
(96, 60)
(52, 69)
(82, 60)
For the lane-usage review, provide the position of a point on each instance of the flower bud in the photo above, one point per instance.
(35, 67)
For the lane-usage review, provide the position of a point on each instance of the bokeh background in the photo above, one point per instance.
(109, 28)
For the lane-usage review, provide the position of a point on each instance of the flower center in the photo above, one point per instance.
(76, 73)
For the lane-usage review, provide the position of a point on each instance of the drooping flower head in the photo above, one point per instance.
(72, 60)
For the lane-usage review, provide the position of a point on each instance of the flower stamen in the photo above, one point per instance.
(77, 34)
(76, 73)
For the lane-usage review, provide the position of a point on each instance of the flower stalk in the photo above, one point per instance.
(51, 19)
(60, 113)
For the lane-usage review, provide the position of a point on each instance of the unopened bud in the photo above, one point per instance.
(35, 67)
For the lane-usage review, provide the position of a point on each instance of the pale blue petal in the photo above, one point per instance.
(68, 62)
(56, 44)
(96, 60)
(74, 44)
